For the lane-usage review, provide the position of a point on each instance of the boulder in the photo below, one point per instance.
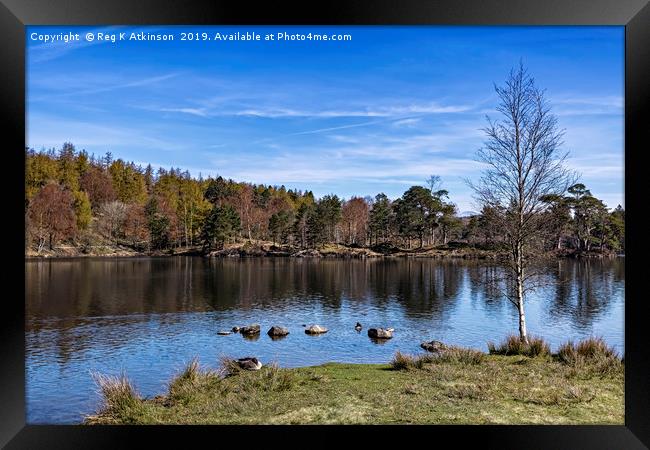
(380, 333)
(316, 329)
(433, 346)
(310, 253)
(249, 363)
(250, 329)
(277, 331)
(235, 329)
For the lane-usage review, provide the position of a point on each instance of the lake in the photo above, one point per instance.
(149, 316)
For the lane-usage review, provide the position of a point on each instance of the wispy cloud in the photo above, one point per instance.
(587, 105)
(407, 122)
(283, 112)
(193, 111)
(147, 81)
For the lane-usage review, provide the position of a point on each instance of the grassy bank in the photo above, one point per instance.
(580, 385)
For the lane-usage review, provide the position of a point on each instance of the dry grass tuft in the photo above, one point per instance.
(461, 355)
(191, 380)
(402, 361)
(513, 345)
(228, 366)
(118, 395)
(591, 356)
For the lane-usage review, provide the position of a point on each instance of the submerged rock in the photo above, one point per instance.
(433, 346)
(277, 331)
(249, 363)
(224, 333)
(358, 326)
(380, 333)
(316, 329)
(250, 329)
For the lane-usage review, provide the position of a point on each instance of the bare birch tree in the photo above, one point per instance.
(524, 163)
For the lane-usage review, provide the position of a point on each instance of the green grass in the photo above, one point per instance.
(460, 386)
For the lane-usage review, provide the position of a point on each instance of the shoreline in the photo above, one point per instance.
(330, 251)
(454, 386)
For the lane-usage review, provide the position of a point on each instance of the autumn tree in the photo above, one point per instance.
(525, 164)
(354, 220)
(51, 216)
(136, 226)
(98, 184)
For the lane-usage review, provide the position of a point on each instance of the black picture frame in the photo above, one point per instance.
(633, 14)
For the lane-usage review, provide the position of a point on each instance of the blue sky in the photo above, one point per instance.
(379, 113)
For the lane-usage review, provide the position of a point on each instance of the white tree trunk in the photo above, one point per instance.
(520, 305)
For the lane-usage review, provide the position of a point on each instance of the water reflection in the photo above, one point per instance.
(149, 315)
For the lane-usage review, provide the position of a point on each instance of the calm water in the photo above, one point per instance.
(148, 316)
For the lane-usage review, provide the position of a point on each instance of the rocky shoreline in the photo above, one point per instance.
(248, 250)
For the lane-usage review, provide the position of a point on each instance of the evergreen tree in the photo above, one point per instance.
(222, 224)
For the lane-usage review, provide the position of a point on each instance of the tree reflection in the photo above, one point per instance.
(65, 298)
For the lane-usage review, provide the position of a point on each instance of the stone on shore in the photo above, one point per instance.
(250, 329)
(316, 329)
(277, 331)
(380, 333)
(433, 346)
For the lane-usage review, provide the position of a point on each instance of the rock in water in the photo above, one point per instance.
(379, 333)
(249, 363)
(235, 329)
(277, 331)
(224, 333)
(316, 329)
(433, 346)
(250, 329)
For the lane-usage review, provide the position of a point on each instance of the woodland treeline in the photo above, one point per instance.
(73, 198)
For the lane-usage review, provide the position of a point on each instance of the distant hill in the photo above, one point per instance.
(468, 214)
